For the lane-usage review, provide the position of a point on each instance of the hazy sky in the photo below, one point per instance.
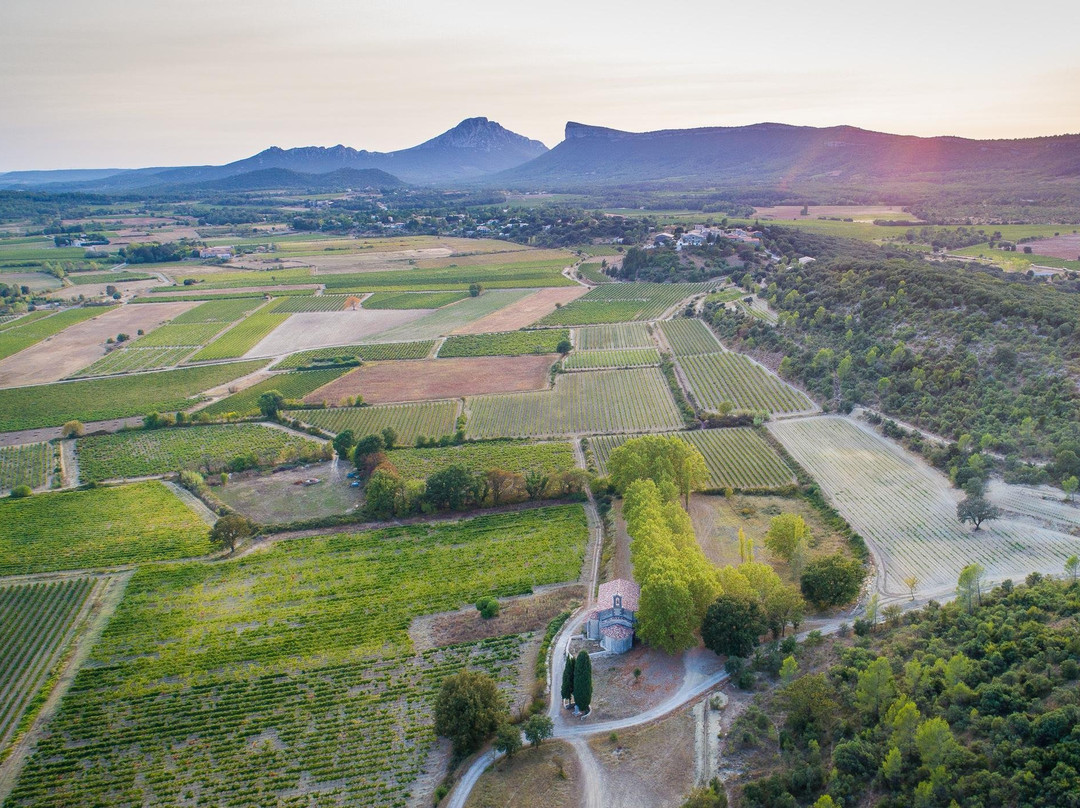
(135, 83)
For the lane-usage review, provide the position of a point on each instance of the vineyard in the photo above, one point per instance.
(430, 419)
(171, 335)
(242, 337)
(412, 300)
(29, 464)
(612, 337)
(449, 318)
(596, 360)
(34, 622)
(248, 681)
(134, 359)
(29, 330)
(619, 302)
(593, 273)
(99, 527)
(210, 448)
(736, 458)
(906, 511)
(688, 337)
(218, 311)
(602, 401)
(98, 399)
(524, 274)
(293, 386)
(718, 377)
(296, 305)
(507, 343)
(518, 457)
(354, 354)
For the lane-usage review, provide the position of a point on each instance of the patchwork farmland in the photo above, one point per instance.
(716, 378)
(431, 419)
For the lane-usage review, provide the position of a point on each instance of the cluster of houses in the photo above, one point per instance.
(701, 235)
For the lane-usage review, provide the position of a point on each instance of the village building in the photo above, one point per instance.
(612, 624)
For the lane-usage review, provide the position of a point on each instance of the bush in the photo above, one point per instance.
(21, 491)
(488, 607)
(832, 581)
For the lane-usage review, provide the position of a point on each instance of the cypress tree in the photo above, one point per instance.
(568, 679)
(583, 681)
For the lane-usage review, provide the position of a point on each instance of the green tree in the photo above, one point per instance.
(832, 581)
(488, 607)
(467, 710)
(1072, 566)
(665, 614)
(507, 739)
(475, 289)
(892, 768)
(343, 443)
(783, 605)
(538, 729)
(711, 797)
(448, 487)
(875, 689)
(969, 585)
(564, 347)
(382, 492)
(567, 689)
(977, 509)
(535, 483)
(389, 437)
(1069, 486)
(270, 403)
(583, 681)
(369, 444)
(733, 626)
(789, 668)
(229, 530)
(810, 704)
(786, 532)
(21, 492)
(935, 742)
(658, 458)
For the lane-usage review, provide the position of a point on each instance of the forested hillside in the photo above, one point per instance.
(965, 704)
(955, 350)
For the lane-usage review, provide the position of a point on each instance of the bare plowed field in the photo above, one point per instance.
(80, 345)
(858, 213)
(1066, 246)
(524, 312)
(426, 379)
(318, 329)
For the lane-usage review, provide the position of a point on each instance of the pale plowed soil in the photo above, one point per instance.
(428, 379)
(1066, 246)
(317, 329)
(83, 343)
(125, 288)
(524, 312)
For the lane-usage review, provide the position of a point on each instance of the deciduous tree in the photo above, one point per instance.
(230, 530)
(467, 710)
(732, 626)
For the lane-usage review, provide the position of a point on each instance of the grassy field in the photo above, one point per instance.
(627, 358)
(518, 457)
(906, 511)
(29, 464)
(716, 378)
(294, 386)
(593, 273)
(23, 333)
(620, 302)
(613, 337)
(34, 622)
(507, 343)
(601, 401)
(248, 681)
(86, 278)
(100, 399)
(294, 305)
(410, 421)
(412, 300)
(510, 275)
(736, 458)
(208, 448)
(689, 337)
(354, 354)
(100, 527)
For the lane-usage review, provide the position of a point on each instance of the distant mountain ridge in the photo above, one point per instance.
(473, 148)
(783, 156)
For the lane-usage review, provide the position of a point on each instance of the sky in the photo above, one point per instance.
(130, 83)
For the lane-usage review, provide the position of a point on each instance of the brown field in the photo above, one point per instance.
(137, 234)
(1066, 246)
(546, 777)
(860, 213)
(524, 312)
(91, 290)
(319, 329)
(83, 343)
(430, 379)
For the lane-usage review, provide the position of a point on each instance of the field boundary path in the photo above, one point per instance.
(89, 625)
(192, 502)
